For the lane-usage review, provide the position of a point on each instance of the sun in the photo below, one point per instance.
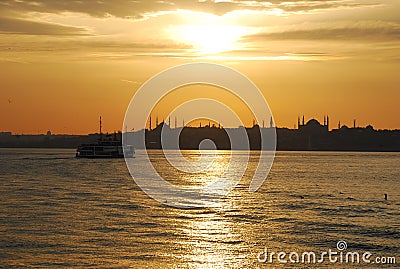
(210, 38)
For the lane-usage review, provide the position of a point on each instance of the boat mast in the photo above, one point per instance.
(101, 135)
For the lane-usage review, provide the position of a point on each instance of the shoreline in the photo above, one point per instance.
(252, 150)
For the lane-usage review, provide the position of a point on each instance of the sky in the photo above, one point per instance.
(65, 63)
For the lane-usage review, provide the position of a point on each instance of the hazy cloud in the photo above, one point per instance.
(131, 82)
(369, 31)
(20, 26)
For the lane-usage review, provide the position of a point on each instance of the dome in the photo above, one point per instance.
(313, 122)
(369, 127)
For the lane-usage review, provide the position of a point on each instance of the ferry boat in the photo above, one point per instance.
(108, 147)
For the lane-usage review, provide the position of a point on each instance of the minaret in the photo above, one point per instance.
(354, 124)
(338, 126)
(298, 122)
(271, 122)
(327, 122)
(324, 120)
(156, 121)
(263, 124)
(169, 121)
(303, 119)
(150, 124)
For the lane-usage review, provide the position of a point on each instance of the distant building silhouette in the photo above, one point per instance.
(314, 126)
(307, 136)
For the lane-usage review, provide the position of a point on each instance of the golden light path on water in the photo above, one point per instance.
(210, 231)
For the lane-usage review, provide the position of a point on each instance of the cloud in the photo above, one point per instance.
(118, 8)
(367, 31)
(305, 6)
(20, 17)
(131, 82)
(28, 27)
(140, 9)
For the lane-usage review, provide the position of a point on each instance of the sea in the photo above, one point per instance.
(57, 211)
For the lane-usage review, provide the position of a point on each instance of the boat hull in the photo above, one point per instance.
(99, 157)
(105, 150)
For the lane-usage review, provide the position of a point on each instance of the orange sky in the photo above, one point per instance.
(63, 64)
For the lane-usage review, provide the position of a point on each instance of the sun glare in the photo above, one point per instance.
(210, 38)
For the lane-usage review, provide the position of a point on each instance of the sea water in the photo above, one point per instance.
(57, 211)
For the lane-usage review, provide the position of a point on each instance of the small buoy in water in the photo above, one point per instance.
(386, 196)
